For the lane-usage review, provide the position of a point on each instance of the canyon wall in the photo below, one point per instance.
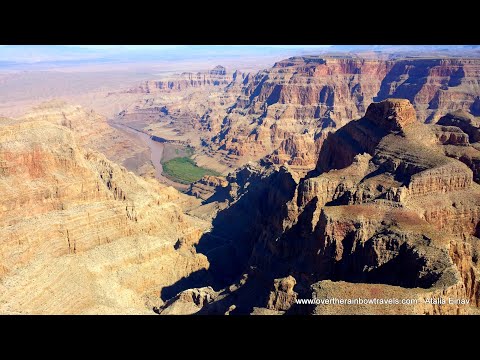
(388, 213)
(313, 96)
(80, 234)
(284, 113)
(93, 132)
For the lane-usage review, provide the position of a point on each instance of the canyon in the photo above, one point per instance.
(335, 177)
(388, 213)
(79, 233)
(284, 113)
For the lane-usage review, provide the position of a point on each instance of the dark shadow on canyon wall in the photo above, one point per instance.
(257, 213)
(405, 88)
(198, 278)
(250, 236)
(340, 148)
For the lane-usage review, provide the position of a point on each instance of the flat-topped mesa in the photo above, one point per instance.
(218, 70)
(392, 114)
(53, 104)
(178, 82)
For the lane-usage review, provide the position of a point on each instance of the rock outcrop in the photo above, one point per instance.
(282, 296)
(206, 186)
(465, 122)
(387, 213)
(188, 302)
(460, 133)
(392, 115)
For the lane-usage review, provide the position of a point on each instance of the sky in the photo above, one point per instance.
(169, 47)
(37, 54)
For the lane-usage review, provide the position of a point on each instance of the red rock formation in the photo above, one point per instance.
(433, 86)
(451, 135)
(392, 115)
(395, 210)
(92, 132)
(457, 131)
(465, 121)
(298, 96)
(261, 115)
(312, 96)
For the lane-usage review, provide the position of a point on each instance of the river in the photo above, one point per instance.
(156, 152)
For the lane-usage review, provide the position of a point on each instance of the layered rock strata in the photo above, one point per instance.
(80, 234)
(284, 113)
(93, 132)
(387, 213)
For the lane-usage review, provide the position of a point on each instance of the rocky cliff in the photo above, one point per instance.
(93, 132)
(284, 113)
(308, 96)
(463, 143)
(387, 213)
(434, 86)
(313, 96)
(79, 233)
(218, 76)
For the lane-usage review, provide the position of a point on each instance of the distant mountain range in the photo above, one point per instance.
(12, 56)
